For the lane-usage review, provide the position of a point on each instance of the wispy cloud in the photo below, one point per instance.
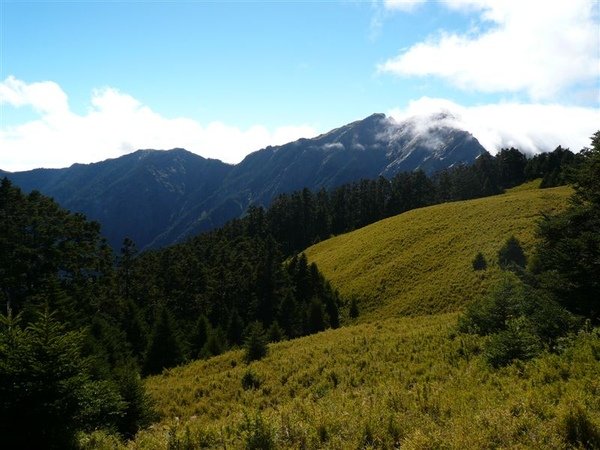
(402, 5)
(522, 46)
(115, 124)
(530, 127)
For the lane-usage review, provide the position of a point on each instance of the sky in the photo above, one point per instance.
(83, 81)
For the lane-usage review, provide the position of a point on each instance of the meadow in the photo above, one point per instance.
(410, 383)
(401, 375)
(419, 262)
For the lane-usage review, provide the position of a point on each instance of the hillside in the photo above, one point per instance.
(419, 262)
(413, 382)
(409, 382)
(159, 198)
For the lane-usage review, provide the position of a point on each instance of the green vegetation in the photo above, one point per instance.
(410, 382)
(511, 255)
(420, 262)
(65, 365)
(519, 368)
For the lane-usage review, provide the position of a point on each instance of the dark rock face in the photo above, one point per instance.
(161, 197)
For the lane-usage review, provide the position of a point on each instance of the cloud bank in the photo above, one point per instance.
(519, 46)
(115, 124)
(532, 128)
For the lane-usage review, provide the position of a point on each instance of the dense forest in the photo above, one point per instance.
(80, 325)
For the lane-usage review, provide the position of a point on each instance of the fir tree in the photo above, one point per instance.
(255, 342)
(164, 349)
(46, 395)
(275, 333)
(200, 335)
(235, 328)
(316, 316)
(511, 254)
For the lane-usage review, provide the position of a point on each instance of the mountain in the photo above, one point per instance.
(161, 197)
(138, 195)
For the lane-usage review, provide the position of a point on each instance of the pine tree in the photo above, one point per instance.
(135, 328)
(568, 252)
(289, 316)
(235, 328)
(215, 344)
(46, 395)
(200, 335)
(275, 333)
(316, 316)
(511, 254)
(164, 349)
(255, 342)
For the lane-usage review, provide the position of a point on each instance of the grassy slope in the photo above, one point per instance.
(406, 382)
(409, 381)
(419, 262)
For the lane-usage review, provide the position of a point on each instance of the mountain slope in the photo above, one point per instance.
(138, 195)
(419, 262)
(159, 198)
(407, 382)
(402, 383)
(363, 149)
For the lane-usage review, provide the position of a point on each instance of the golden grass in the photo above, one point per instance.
(399, 382)
(411, 383)
(419, 262)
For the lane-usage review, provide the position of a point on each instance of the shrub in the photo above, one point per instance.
(489, 314)
(251, 380)
(578, 430)
(260, 436)
(353, 312)
(479, 262)
(511, 254)
(517, 341)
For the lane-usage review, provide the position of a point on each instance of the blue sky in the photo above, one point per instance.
(83, 81)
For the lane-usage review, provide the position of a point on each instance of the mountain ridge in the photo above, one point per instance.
(161, 197)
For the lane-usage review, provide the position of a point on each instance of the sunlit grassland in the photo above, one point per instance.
(419, 262)
(407, 382)
(411, 383)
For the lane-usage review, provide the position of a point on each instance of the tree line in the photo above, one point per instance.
(351, 206)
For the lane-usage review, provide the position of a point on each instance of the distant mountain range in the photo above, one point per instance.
(161, 197)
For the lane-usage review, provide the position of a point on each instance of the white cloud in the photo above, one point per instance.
(115, 124)
(529, 127)
(402, 5)
(527, 46)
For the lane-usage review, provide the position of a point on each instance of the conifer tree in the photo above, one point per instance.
(46, 394)
(255, 342)
(316, 316)
(275, 333)
(164, 349)
(135, 328)
(235, 328)
(511, 254)
(200, 335)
